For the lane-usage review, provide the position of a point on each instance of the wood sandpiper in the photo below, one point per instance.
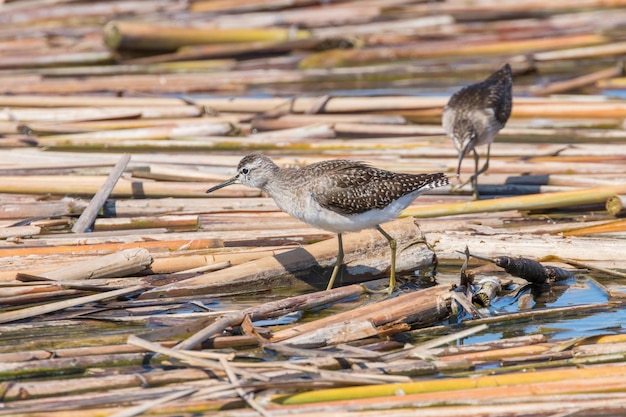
(337, 195)
(474, 116)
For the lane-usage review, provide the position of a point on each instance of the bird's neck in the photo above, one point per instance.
(280, 186)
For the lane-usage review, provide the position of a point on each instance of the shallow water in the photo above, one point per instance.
(575, 292)
(564, 324)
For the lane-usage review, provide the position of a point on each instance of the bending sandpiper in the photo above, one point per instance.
(474, 116)
(337, 195)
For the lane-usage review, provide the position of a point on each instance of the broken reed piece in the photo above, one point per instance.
(271, 309)
(529, 269)
(616, 205)
(123, 263)
(19, 231)
(88, 216)
(488, 288)
(580, 81)
(481, 294)
(415, 309)
(366, 255)
(466, 279)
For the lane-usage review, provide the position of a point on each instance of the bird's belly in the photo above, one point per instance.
(325, 219)
(339, 223)
(304, 207)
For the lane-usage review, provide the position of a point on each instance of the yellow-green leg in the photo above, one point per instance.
(337, 264)
(474, 178)
(392, 272)
(477, 171)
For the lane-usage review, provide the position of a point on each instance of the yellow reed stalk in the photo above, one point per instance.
(611, 338)
(176, 222)
(612, 83)
(451, 384)
(526, 202)
(611, 227)
(143, 36)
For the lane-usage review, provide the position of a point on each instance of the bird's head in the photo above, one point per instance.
(464, 137)
(254, 170)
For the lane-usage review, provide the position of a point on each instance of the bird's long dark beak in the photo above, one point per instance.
(464, 151)
(226, 183)
(458, 167)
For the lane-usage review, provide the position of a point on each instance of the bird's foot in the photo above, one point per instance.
(458, 188)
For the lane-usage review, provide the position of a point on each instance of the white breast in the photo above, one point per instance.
(306, 209)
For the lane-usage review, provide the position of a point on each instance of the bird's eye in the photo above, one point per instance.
(245, 171)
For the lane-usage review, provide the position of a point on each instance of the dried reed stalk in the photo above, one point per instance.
(578, 82)
(432, 386)
(90, 213)
(272, 309)
(147, 133)
(171, 245)
(425, 306)
(29, 312)
(609, 227)
(181, 222)
(527, 202)
(124, 263)
(342, 58)
(89, 185)
(69, 386)
(144, 36)
(365, 253)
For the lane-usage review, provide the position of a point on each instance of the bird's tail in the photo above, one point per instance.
(435, 181)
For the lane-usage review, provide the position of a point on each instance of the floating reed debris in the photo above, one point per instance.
(217, 295)
(528, 269)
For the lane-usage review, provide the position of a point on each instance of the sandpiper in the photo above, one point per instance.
(336, 195)
(475, 114)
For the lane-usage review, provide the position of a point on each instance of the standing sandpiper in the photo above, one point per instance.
(338, 195)
(475, 114)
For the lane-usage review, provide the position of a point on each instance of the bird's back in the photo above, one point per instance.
(492, 96)
(343, 195)
(356, 188)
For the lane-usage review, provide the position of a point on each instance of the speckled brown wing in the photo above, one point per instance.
(358, 188)
(500, 93)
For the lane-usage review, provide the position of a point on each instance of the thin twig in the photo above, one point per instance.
(61, 305)
(142, 408)
(247, 397)
(190, 359)
(88, 216)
